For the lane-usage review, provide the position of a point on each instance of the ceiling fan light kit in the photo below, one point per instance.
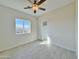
(35, 5)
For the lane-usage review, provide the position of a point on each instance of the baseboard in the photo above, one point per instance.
(58, 45)
(19, 45)
(73, 50)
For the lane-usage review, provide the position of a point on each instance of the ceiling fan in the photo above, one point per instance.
(36, 5)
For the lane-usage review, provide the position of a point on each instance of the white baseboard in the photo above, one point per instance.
(16, 46)
(73, 50)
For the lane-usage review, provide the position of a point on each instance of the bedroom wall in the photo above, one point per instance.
(8, 37)
(60, 26)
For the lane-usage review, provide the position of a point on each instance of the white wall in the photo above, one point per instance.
(8, 37)
(61, 26)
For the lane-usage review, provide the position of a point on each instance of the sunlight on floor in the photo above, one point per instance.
(46, 42)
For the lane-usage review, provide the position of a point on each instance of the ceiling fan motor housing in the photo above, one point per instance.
(34, 11)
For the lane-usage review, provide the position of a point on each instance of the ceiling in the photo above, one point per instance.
(48, 4)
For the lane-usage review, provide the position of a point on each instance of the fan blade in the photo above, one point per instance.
(35, 1)
(28, 7)
(42, 8)
(30, 1)
(40, 2)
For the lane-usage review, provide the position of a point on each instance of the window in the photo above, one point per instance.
(23, 26)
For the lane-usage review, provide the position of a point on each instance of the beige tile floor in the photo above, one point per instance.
(36, 50)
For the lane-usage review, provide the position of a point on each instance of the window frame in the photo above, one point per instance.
(23, 19)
